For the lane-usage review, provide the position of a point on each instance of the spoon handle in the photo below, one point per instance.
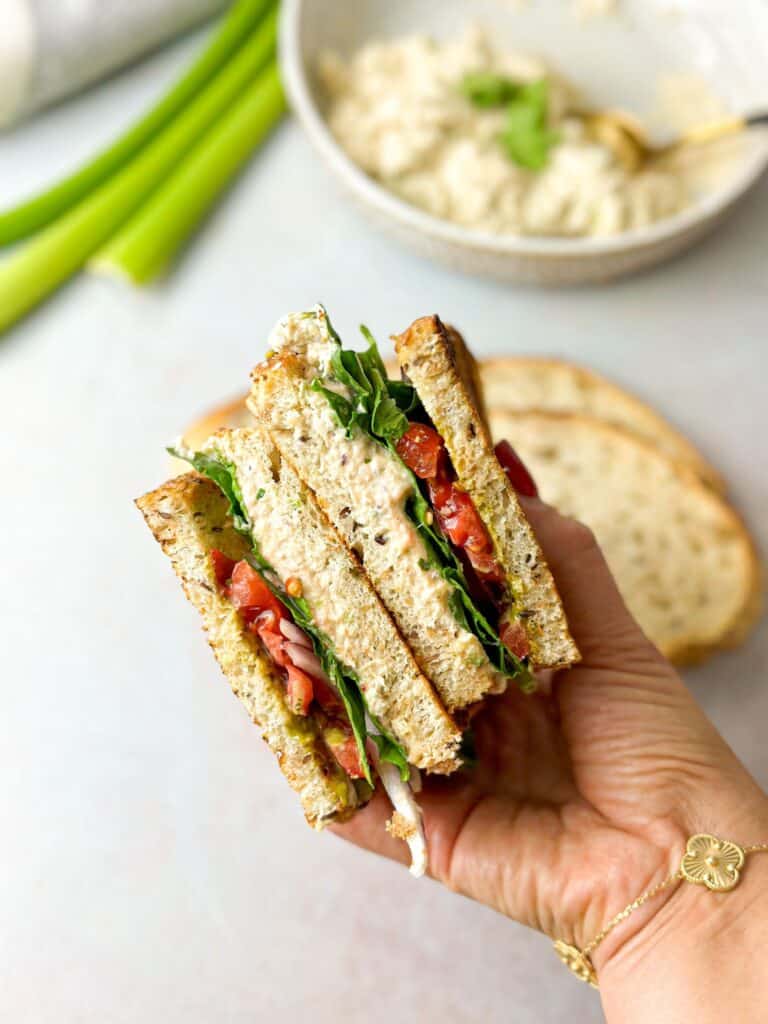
(718, 129)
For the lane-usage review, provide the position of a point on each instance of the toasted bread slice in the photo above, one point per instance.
(189, 516)
(363, 490)
(297, 540)
(425, 353)
(517, 383)
(683, 559)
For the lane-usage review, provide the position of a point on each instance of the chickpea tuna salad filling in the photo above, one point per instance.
(489, 139)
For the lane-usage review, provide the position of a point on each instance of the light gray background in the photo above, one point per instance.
(155, 866)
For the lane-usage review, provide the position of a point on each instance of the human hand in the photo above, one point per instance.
(583, 798)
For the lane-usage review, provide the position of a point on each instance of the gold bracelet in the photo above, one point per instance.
(708, 861)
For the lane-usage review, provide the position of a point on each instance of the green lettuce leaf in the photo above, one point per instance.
(346, 682)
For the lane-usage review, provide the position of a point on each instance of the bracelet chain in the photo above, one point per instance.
(709, 861)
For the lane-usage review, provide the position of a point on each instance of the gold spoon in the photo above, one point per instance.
(624, 136)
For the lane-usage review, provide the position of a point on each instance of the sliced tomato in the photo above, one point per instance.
(327, 697)
(347, 755)
(461, 522)
(222, 566)
(515, 639)
(516, 471)
(420, 448)
(249, 593)
(300, 691)
(274, 641)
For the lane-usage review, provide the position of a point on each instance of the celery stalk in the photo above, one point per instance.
(47, 260)
(144, 248)
(35, 213)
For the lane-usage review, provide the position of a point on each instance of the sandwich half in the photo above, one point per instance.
(447, 547)
(289, 607)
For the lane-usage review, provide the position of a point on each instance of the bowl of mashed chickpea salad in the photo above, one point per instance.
(460, 126)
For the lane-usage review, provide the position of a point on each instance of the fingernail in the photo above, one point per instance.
(516, 471)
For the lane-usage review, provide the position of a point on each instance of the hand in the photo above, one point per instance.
(581, 799)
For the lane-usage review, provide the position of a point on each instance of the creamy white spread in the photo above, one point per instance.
(397, 109)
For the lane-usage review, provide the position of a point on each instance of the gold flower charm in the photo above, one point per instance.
(576, 961)
(712, 862)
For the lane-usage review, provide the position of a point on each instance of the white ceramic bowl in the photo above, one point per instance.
(619, 57)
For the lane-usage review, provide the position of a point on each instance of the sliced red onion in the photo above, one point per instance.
(292, 632)
(403, 801)
(305, 659)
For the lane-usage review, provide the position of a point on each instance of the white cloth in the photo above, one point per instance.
(51, 48)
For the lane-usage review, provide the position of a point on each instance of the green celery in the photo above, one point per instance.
(33, 214)
(45, 262)
(144, 248)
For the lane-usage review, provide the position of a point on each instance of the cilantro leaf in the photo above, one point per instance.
(527, 137)
(486, 89)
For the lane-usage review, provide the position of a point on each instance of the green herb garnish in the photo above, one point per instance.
(527, 137)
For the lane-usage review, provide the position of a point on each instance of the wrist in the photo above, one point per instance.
(689, 938)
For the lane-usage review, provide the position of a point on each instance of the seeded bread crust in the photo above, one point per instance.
(683, 559)
(188, 517)
(295, 537)
(425, 354)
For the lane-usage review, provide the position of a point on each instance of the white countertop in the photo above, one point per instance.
(155, 865)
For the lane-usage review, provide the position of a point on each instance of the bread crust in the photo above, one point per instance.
(651, 471)
(516, 383)
(426, 355)
(188, 517)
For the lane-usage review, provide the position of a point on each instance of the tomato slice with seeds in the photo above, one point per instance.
(515, 639)
(222, 566)
(420, 448)
(300, 691)
(347, 755)
(249, 592)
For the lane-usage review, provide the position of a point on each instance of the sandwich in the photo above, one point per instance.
(361, 563)
(300, 633)
(406, 472)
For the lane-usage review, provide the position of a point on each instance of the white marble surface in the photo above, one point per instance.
(155, 865)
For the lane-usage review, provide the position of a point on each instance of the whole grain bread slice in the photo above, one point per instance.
(298, 541)
(425, 353)
(683, 559)
(189, 517)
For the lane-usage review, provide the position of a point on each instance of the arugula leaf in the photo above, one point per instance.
(389, 749)
(527, 137)
(486, 89)
(343, 410)
(223, 474)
